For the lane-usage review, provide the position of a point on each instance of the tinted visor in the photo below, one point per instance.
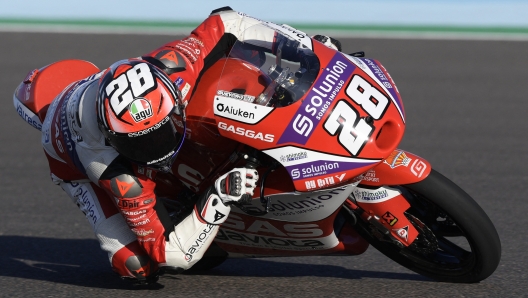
(153, 147)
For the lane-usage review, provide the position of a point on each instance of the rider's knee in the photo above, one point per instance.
(131, 261)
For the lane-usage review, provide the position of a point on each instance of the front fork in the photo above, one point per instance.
(384, 207)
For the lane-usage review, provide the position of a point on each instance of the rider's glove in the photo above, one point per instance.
(328, 41)
(237, 185)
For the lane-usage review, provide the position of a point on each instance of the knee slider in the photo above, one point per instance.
(139, 266)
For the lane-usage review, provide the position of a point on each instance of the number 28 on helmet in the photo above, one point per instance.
(138, 108)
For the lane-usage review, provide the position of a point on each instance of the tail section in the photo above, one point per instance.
(33, 96)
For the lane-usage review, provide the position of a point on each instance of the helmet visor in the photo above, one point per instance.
(151, 147)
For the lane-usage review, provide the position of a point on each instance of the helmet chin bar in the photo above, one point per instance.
(166, 164)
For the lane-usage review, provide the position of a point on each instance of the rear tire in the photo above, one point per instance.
(448, 212)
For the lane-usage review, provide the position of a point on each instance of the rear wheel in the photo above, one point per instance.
(457, 241)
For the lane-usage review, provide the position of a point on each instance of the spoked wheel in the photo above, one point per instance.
(457, 241)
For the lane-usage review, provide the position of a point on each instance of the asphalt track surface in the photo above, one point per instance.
(466, 104)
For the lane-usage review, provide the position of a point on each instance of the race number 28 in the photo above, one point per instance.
(353, 131)
(125, 88)
(368, 97)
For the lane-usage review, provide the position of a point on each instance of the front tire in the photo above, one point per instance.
(469, 247)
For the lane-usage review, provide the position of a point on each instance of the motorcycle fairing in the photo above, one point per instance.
(400, 167)
(301, 207)
(312, 170)
(247, 236)
(328, 119)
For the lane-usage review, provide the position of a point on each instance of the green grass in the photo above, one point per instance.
(102, 25)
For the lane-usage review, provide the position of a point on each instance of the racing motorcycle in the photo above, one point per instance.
(322, 129)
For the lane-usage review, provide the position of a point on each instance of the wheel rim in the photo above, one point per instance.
(452, 255)
(450, 258)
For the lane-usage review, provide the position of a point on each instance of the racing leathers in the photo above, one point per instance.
(117, 196)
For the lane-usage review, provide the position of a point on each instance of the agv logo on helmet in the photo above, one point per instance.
(140, 109)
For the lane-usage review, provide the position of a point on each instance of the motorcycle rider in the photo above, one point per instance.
(108, 135)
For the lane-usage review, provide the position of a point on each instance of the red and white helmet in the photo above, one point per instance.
(137, 106)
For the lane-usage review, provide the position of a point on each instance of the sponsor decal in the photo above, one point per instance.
(162, 158)
(418, 167)
(198, 243)
(57, 140)
(125, 204)
(185, 90)
(239, 110)
(74, 122)
(146, 239)
(246, 132)
(86, 204)
(403, 232)
(171, 59)
(324, 182)
(314, 170)
(136, 219)
(243, 97)
(134, 213)
(188, 50)
(179, 81)
(318, 100)
(142, 232)
(150, 129)
(233, 111)
(140, 109)
(146, 202)
(377, 71)
(297, 208)
(370, 195)
(27, 115)
(280, 229)
(370, 176)
(47, 135)
(218, 216)
(125, 186)
(387, 82)
(397, 158)
(390, 219)
(365, 195)
(322, 167)
(65, 122)
(293, 156)
(137, 224)
(273, 242)
(194, 41)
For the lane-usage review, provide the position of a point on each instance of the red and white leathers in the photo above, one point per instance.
(117, 196)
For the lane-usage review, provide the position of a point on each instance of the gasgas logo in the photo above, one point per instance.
(246, 132)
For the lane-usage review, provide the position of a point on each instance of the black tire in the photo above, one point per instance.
(448, 212)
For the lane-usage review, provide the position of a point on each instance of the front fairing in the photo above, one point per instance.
(327, 117)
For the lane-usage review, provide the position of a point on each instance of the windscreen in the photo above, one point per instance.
(273, 74)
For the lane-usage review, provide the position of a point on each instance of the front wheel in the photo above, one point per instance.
(465, 245)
